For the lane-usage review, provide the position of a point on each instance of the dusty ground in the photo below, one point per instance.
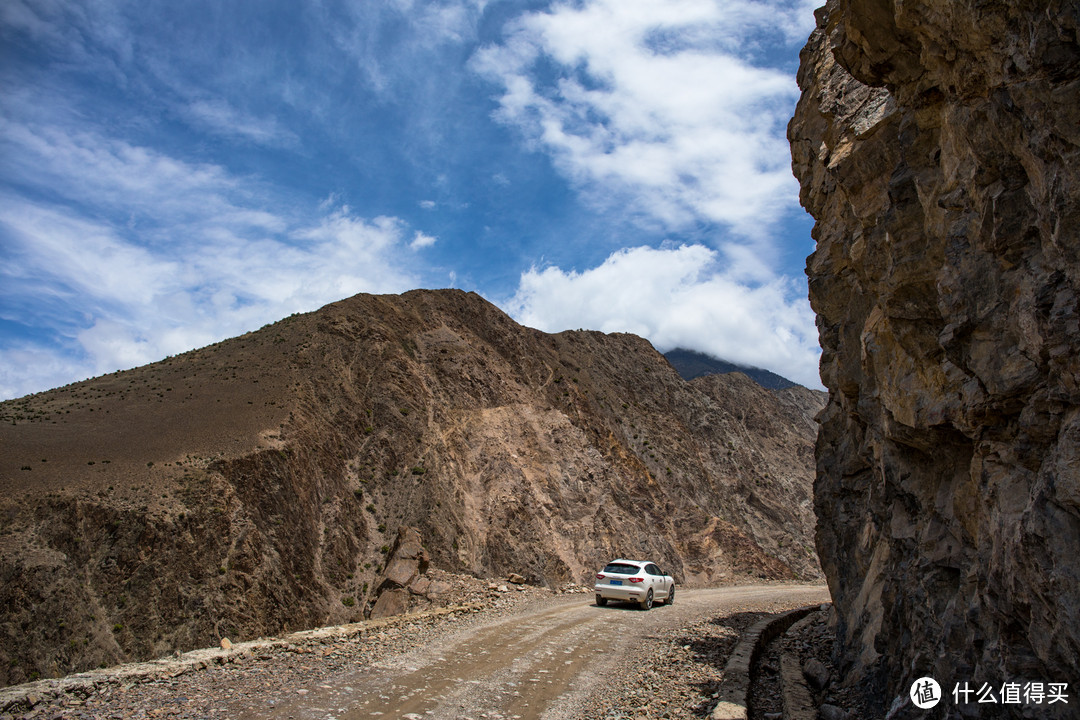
(550, 658)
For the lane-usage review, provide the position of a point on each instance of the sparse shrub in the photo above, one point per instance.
(418, 470)
(348, 601)
(358, 493)
(384, 549)
(382, 527)
(117, 627)
(370, 508)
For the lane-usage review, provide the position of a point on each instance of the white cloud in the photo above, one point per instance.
(420, 240)
(221, 118)
(678, 297)
(658, 105)
(673, 113)
(208, 256)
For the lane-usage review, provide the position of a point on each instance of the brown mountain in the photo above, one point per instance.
(254, 486)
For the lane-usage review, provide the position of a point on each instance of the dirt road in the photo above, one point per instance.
(543, 663)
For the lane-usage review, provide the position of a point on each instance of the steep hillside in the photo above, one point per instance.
(937, 148)
(256, 486)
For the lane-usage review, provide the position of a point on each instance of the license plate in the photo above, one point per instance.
(616, 582)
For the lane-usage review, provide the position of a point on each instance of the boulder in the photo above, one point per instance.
(816, 674)
(406, 561)
(391, 602)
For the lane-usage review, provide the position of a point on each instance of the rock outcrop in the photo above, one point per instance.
(937, 148)
(265, 484)
(406, 563)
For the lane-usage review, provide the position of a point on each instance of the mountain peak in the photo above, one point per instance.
(692, 364)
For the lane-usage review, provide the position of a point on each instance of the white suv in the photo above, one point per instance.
(634, 581)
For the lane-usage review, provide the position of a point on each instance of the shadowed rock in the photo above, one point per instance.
(937, 148)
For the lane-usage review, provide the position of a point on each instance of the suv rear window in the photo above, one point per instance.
(620, 569)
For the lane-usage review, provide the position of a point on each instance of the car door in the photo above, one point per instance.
(656, 579)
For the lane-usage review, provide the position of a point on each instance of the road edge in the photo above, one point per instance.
(735, 688)
(27, 695)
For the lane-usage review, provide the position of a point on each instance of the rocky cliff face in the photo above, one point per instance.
(937, 148)
(266, 483)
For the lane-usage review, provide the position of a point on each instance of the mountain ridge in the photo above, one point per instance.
(692, 364)
(255, 486)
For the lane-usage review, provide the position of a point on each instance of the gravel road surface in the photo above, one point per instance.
(551, 662)
(525, 655)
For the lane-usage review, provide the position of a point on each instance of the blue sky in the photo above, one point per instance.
(172, 174)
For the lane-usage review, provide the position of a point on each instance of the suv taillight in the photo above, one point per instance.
(599, 576)
(637, 579)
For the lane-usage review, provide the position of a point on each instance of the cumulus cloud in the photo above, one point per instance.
(678, 297)
(658, 105)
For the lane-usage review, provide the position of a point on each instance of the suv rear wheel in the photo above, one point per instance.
(647, 602)
(601, 600)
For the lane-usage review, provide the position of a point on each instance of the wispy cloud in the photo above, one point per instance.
(677, 297)
(216, 255)
(219, 117)
(672, 112)
(657, 106)
(170, 178)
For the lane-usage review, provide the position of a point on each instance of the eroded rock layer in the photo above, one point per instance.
(264, 484)
(937, 149)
